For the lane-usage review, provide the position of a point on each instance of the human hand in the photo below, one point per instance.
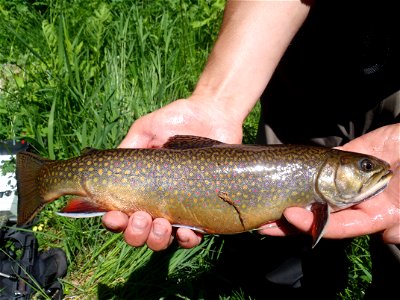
(193, 116)
(379, 214)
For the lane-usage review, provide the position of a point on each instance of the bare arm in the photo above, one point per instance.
(253, 37)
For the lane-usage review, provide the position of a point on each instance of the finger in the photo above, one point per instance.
(392, 235)
(299, 217)
(115, 221)
(187, 238)
(138, 229)
(280, 227)
(134, 140)
(160, 235)
(272, 229)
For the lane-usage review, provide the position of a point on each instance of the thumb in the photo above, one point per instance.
(136, 138)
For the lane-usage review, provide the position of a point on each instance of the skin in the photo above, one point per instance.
(235, 75)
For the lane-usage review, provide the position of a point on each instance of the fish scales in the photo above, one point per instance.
(188, 184)
(216, 188)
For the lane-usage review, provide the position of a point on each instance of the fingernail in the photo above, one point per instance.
(139, 223)
(158, 230)
(183, 238)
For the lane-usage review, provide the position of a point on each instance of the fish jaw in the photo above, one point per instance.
(367, 193)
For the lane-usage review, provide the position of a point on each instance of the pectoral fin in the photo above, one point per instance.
(321, 212)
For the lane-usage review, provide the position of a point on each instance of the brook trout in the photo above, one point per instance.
(203, 184)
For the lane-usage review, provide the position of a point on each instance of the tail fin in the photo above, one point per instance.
(29, 200)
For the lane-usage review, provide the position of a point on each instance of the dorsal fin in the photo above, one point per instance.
(88, 150)
(189, 142)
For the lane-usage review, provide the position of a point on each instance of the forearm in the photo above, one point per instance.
(253, 37)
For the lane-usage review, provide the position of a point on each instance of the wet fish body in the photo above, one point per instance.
(201, 183)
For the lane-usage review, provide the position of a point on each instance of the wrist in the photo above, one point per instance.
(223, 105)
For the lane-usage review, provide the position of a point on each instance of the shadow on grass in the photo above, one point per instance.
(240, 272)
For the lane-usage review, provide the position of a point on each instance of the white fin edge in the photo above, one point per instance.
(189, 227)
(80, 215)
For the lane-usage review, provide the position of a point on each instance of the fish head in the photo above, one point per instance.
(347, 178)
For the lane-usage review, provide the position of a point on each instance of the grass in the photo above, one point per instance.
(76, 74)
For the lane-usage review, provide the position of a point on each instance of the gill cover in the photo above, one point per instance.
(347, 178)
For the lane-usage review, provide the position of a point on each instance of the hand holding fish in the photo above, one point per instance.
(190, 116)
(152, 131)
(380, 215)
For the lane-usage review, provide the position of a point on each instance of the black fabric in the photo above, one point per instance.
(341, 64)
(329, 88)
(23, 269)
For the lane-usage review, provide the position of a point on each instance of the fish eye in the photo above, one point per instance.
(366, 165)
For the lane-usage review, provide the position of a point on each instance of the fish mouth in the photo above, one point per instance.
(377, 188)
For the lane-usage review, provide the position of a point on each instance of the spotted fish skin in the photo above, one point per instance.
(217, 188)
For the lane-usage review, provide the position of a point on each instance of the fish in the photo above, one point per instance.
(203, 184)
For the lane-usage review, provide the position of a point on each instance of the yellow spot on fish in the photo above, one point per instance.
(91, 169)
(109, 172)
(100, 171)
(127, 172)
(124, 180)
(96, 179)
(80, 169)
(89, 163)
(104, 181)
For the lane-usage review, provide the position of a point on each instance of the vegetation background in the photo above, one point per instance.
(76, 74)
